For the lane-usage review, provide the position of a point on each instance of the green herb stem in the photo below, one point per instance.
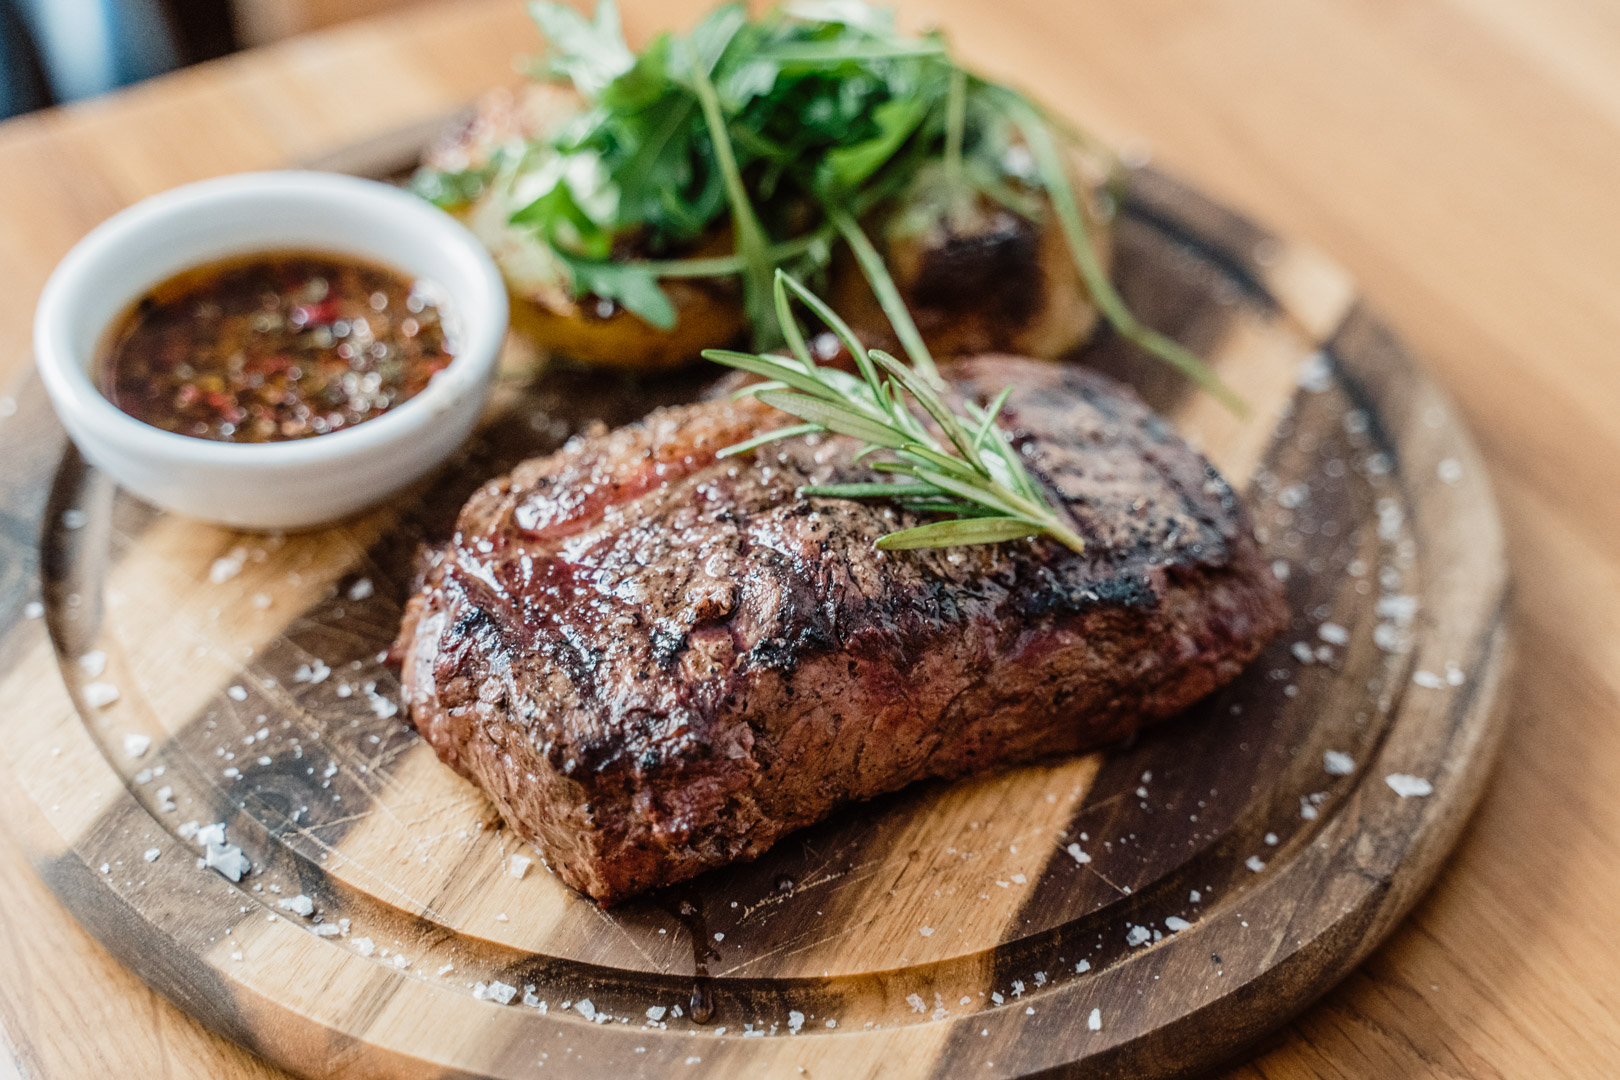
(752, 244)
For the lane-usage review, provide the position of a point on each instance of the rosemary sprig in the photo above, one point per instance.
(964, 464)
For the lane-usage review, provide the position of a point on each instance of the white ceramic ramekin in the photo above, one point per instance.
(286, 485)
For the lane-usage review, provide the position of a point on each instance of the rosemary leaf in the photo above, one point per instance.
(774, 435)
(937, 534)
(834, 417)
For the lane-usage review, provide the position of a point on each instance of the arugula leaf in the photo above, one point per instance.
(635, 289)
(848, 167)
(450, 190)
(591, 54)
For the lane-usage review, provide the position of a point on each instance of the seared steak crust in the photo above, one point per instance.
(656, 662)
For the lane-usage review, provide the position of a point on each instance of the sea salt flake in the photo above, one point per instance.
(1137, 935)
(584, 1007)
(227, 567)
(211, 834)
(298, 905)
(98, 695)
(1176, 924)
(228, 860)
(1315, 373)
(1338, 763)
(795, 1020)
(1082, 967)
(136, 745)
(1408, 786)
(502, 992)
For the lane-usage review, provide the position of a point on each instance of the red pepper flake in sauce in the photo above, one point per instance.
(275, 346)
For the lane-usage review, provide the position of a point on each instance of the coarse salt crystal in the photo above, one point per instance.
(518, 865)
(1082, 967)
(236, 693)
(74, 519)
(1077, 855)
(926, 931)
(1338, 763)
(1303, 652)
(1176, 924)
(365, 947)
(326, 929)
(152, 854)
(98, 695)
(93, 663)
(795, 1020)
(1428, 680)
(361, 589)
(1094, 1021)
(1408, 786)
(1137, 935)
(33, 610)
(1195, 897)
(656, 1013)
(298, 905)
(1450, 470)
(1254, 863)
(917, 1003)
(502, 992)
(584, 1007)
(136, 745)
(1333, 634)
(228, 860)
(227, 566)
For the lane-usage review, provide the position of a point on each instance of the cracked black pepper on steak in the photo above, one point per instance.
(655, 661)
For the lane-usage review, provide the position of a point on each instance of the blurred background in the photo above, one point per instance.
(54, 51)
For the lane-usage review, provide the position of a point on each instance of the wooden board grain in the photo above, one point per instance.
(1228, 877)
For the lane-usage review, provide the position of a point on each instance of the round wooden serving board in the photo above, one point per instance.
(1142, 912)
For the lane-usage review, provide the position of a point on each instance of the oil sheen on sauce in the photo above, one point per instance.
(275, 346)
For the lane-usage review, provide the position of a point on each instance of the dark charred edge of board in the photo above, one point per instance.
(181, 976)
(31, 444)
(1221, 236)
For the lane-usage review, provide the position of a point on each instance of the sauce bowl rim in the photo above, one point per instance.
(477, 294)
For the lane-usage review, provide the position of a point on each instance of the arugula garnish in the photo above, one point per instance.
(787, 128)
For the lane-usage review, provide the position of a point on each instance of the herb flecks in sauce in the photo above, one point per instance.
(273, 347)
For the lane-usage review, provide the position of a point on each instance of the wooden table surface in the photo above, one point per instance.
(1461, 157)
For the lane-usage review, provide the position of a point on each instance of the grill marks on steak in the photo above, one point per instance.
(655, 661)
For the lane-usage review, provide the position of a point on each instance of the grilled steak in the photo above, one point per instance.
(656, 662)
